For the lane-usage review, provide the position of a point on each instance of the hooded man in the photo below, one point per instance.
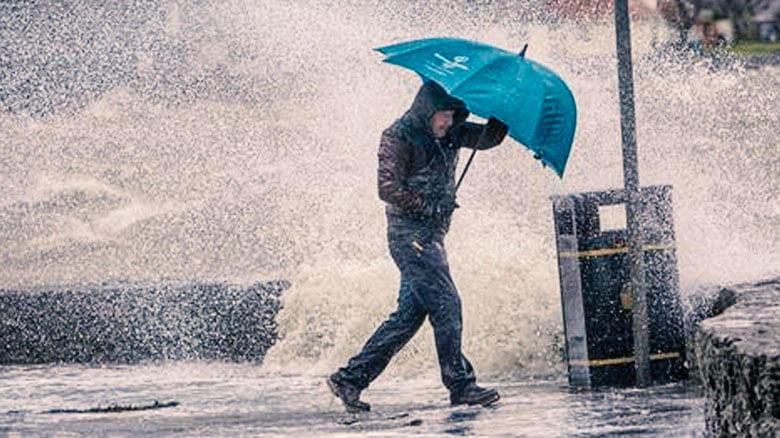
(418, 156)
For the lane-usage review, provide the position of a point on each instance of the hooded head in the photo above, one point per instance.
(432, 98)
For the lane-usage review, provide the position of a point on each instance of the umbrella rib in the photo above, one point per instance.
(454, 90)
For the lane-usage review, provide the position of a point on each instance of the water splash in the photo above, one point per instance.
(239, 143)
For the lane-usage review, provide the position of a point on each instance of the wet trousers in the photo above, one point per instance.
(426, 290)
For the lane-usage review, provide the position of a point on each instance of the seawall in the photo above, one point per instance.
(738, 360)
(131, 322)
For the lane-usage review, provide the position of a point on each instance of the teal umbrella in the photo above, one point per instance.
(533, 101)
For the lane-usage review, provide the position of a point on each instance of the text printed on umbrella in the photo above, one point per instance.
(445, 66)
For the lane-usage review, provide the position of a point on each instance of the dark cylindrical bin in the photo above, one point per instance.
(595, 287)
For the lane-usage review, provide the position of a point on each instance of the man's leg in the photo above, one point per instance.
(429, 275)
(431, 280)
(387, 340)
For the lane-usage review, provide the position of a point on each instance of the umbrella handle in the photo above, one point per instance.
(465, 169)
(480, 141)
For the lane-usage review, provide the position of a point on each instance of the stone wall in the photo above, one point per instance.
(131, 322)
(738, 357)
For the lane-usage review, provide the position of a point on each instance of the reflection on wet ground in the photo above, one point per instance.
(218, 399)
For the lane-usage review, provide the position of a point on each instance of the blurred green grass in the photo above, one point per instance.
(756, 47)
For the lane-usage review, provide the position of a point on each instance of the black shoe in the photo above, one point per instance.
(348, 394)
(474, 395)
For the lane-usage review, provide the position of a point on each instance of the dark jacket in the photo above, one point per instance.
(414, 166)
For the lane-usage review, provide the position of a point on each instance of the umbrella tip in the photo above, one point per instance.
(522, 52)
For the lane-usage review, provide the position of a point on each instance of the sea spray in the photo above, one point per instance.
(238, 142)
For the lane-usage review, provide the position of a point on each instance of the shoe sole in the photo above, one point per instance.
(490, 400)
(352, 409)
(485, 401)
(332, 387)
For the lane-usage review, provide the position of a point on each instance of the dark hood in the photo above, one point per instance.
(431, 98)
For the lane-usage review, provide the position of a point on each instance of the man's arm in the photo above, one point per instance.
(395, 157)
(476, 136)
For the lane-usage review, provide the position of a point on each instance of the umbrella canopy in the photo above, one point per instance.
(533, 101)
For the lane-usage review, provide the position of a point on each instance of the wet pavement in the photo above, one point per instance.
(219, 399)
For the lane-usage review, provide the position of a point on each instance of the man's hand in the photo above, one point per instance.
(497, 128)
(492, 134)
(440, 207)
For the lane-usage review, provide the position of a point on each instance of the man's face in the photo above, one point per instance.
(441, 122)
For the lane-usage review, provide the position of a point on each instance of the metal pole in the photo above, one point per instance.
(631, 181)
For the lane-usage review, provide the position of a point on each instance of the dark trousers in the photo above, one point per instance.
(426, 290)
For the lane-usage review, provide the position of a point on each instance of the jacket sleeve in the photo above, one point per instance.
(476, 136)
(395, 156)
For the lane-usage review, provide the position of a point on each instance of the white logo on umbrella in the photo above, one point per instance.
(446, 66)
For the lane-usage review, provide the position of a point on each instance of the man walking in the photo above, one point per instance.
(418, 157)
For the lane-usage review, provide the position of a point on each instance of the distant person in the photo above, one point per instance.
(711, 36)
(418, 156)
(708, 35)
